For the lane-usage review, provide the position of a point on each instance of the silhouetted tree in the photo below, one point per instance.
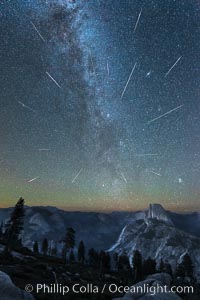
(14, 226)
(123, 263)
(149, 266)
(102, 255)
(188, 265)
(69, 241)
(93, 257)
(64, 252)
(1, 230)
(161, 267)
(104, 262)
(185, 268)
(168, 268)
(70, 238)
(120, 264)
(137, 266)
(123, 267)
(35, 247)
(49, 249)
(179, 271)
(45, 246)
(71, 256)
(81, 252)
(115, 258)
(107, 262)
(54, 250)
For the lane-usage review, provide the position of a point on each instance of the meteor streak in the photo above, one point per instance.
(173, 66)
(108, 70)
(33, 179)
(165, 114)
(37, 31)
(128, 81)
(155, 173)
(138, 19)
(26, 106)
(53, 79)
(146, 154)
(77, 175)
(124, 177)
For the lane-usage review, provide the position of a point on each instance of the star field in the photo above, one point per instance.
(100, 103)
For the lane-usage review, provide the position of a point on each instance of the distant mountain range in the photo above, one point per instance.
(155, 232)
(97, 230)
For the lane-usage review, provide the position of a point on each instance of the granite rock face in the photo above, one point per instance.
(155, 236)
(8, 291)
(156, 211)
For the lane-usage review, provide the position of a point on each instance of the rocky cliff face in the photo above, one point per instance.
(155, 236)
(8, 291)
(156, 211)
(104, 228)
(51, 222)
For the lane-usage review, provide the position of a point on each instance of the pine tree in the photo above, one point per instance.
(149, 266)
(70, 238)
(188, 265)
(102, 261)
(81, 252)
(1, 230)
(123, 264)
(137, 266)
(64, 253)
(179, 272)
(71, 256)
(69, 242)
(168, 268)
(123, 267)
(94, 258)
(185, 268)
(14, 226)
(161, 266)
(49, 250)
(120, 263)
(54, 251)
(45, 246)
(91, 255)
(115, 258)
(35, 247)
(107, 262)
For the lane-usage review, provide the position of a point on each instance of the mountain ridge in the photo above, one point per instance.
(98, 230)
(158, 238)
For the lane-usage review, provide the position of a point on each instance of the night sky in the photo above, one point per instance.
(99, 103)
